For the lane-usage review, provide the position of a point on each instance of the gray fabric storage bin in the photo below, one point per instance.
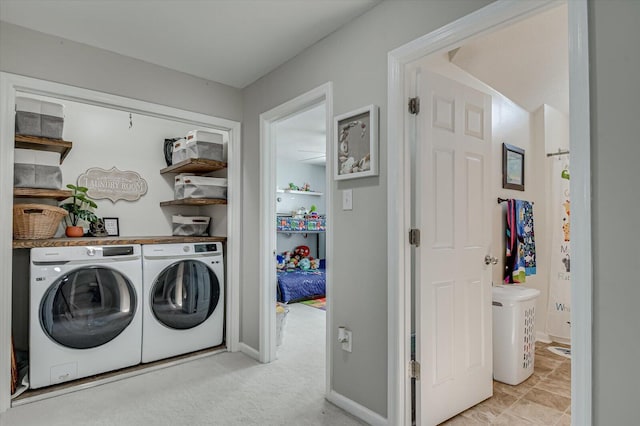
(39, 118)
(190, 226)
(199, 144)
(188, 186)
(36, 169)
(36, 176)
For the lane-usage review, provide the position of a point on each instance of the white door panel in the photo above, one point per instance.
(453, 286)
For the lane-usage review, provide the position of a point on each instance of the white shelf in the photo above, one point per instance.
(290, 191)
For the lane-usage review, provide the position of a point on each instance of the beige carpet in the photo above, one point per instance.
(224, 389)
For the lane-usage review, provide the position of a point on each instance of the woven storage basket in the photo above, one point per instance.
(14, 369)
(36, 221)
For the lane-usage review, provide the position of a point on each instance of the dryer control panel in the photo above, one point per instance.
(205, 248)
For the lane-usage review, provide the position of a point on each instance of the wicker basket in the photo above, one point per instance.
(36, 221)
(14, 369)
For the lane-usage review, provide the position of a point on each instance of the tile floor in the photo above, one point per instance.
(542, 399)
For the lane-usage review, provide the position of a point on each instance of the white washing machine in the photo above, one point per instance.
(86, 311)
(183, 298)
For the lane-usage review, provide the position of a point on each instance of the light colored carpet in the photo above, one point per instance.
(225, 389)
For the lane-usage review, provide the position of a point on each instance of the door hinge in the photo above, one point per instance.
(414, 369)
(414, 237)
(414, 105)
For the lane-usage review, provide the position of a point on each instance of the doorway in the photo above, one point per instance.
(496, 15)
(318, 101)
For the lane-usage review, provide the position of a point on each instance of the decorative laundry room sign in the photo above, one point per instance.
(113, 184)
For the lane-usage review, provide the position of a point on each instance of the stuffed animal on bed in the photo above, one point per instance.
(314, 263)
(302, 251)
(298, 259)
(304, 264)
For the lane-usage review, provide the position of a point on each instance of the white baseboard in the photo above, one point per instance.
(356, 409)
(249, 351)
(560, 340)
(542, 337)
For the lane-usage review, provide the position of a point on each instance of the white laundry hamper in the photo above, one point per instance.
(514, 339)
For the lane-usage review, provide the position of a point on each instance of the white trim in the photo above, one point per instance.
(543, 337)
(9, 84)
(494, 16)
(249, 351)
(7, 126)
(356, 409)
(581, 250)
(267, 266)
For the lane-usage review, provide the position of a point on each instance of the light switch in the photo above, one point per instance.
(347, 199)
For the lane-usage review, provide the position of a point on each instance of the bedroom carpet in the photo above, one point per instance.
(319, 303)
(224, 389)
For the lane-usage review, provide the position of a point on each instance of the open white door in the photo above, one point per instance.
(453, 284)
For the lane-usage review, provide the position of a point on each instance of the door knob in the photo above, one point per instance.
(490, 260)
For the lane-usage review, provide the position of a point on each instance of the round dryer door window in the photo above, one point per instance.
(185, 294)
(88, 307)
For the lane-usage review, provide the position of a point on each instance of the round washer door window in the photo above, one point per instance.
(185, 294)
(88, 307)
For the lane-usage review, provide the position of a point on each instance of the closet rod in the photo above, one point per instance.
(560, 152)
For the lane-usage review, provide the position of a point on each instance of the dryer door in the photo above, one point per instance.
(88, 307)
(185, 294)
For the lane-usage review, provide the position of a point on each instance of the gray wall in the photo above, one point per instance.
(34, 54)
(355, 60)
(615, 91)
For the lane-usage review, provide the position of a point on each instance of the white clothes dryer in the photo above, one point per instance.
(183, 287)
(86, 311)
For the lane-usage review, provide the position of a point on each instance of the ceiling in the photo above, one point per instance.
(234, 42)
(302, 137)
(527, 62)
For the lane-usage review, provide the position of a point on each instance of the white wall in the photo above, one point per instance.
(355, 59)
(299, 174)
(102, 138)
(615, 65)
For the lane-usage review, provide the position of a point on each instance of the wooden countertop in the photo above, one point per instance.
(105, 241)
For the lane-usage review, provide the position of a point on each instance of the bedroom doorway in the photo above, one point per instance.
(300, 144)
(295, 231)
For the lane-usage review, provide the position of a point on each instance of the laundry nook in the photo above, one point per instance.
(118, 263)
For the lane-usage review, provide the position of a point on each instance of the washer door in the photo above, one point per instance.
(185, 294)
(88, 307)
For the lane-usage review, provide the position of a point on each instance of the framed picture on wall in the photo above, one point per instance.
(512, 167)
(356, 138)
(111, 226)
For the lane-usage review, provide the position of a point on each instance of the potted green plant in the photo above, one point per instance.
(79, 206)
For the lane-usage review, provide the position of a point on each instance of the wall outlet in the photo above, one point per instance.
(346, 344)
(347, 199)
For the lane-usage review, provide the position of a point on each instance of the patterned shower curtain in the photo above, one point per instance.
(559, 309)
